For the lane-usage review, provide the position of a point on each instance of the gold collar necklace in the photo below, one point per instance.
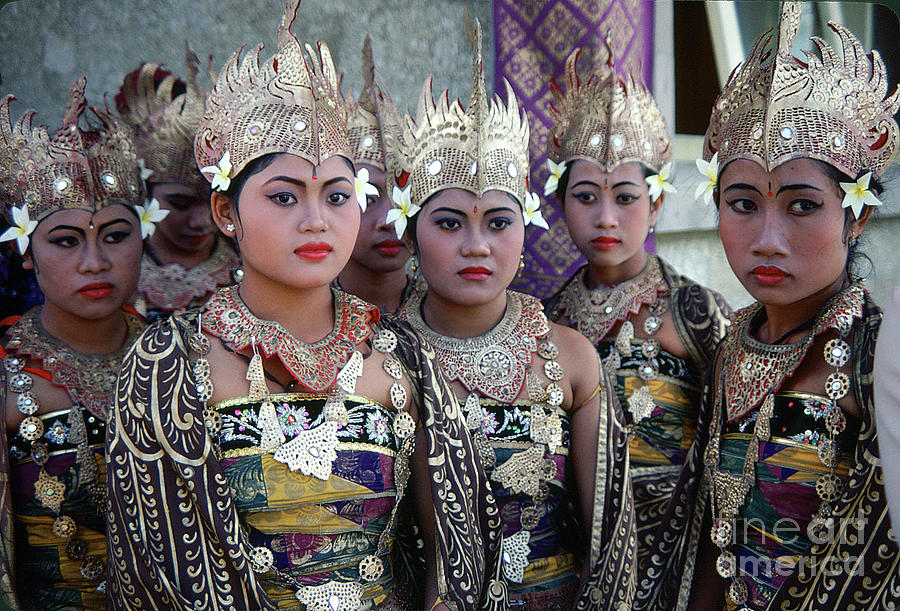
(595, 311)
(314, 366)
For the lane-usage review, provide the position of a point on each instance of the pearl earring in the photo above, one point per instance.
(229, 227)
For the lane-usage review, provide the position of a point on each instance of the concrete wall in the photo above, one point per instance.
(45, 44)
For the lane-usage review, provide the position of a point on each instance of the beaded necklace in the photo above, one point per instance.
(313, 450)
(753, 371)
(496, 365)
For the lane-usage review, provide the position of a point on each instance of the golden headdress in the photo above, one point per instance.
(776, 107)
(292, 104)
(478, 149)
(164, 127)
(606, 118)
(71, 168)
(373, 122)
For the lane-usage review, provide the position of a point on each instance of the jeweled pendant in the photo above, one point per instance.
(725, 565)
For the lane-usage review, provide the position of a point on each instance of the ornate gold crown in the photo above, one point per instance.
(373, 122)
(835, 109)
(606, 118)
(478, 149)
(70, 169)
(290, 105)
(164, 127)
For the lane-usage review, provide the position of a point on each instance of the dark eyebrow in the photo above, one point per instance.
(450, 210)
(798, 187)
(743, 187)
(585, 182)
(78, 230)
(625, 182)
(113, 222)
(500, 209)
(337, 179)
(287, 179)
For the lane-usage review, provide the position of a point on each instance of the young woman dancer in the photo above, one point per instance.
(796, 516)
(73, 198)
(186, 259)
(267, 446)
(654, 328)
(376, 270)
(547, 426)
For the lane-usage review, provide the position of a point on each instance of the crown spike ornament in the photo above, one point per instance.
(604, 118)
(290, 104)
(481, 148)
(373, 122)
(72, 168)
(833, 107)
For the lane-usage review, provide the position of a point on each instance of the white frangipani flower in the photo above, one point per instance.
(22, 226)
(659, 183)
(221, 179)
(150, 215)
(556, 172)
(531, 212)
(403, 209)
(858, 196)
(709, 169)
(363, 188)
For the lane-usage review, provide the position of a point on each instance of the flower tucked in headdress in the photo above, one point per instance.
(659, 183)
(709, 169)
(531, 212)
(858, 195)
(221, 173)
(21, 229)
(403, 209)
(150, 216)
(556, 172)
(363, 188)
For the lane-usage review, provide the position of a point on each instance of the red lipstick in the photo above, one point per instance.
(197, 239)
(768, 274)
(605, 242)
(315, 251)
(388, 248)
(97, 290)
(474, 273)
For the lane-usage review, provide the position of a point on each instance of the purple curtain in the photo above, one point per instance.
(533, 39)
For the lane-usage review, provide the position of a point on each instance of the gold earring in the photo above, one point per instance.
(413, 264)
(521, 265)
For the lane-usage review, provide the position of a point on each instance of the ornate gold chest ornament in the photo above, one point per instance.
(312, 451)
(740, 385)
(497, 365)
